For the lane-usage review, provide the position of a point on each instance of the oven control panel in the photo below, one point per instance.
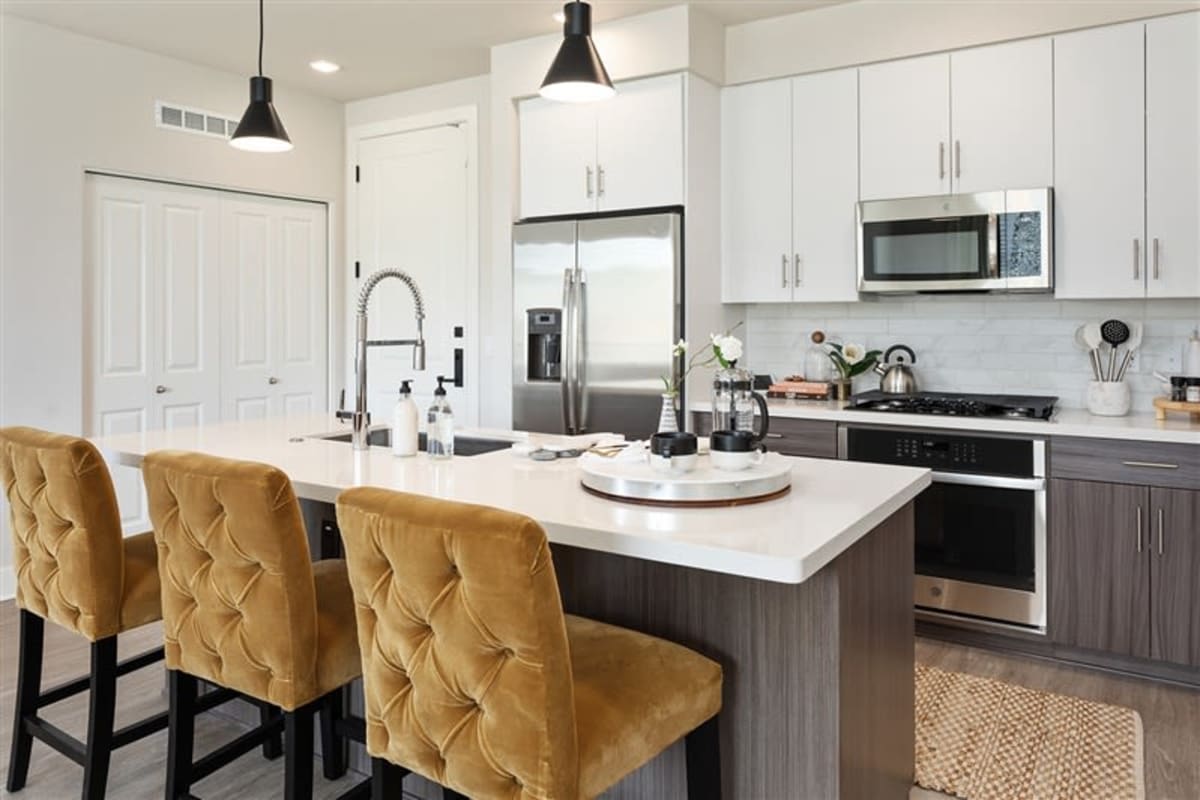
(941, 451)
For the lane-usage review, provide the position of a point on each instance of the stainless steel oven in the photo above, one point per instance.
(981, 526)
(988, 241)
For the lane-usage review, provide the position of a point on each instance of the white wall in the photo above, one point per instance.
(72, 103)
(868, 30)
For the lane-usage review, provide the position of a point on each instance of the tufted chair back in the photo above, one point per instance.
(67, 542)
(239, 606)
(466, 669)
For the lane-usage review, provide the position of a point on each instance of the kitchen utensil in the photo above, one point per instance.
(1131, 347)
(1115, 333)
(897, 377)
(734, 401)
(1093, 337)
(1081, 341)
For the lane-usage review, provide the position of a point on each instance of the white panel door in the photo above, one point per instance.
(557, 157)
(905, 128)
(824, 186)
(300, 329)
(639, 145)
(1099, 153)
(1002, 101)
(412, 215)
(756, 192)
(1173, 155)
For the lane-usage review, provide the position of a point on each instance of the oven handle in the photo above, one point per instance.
(991, 481)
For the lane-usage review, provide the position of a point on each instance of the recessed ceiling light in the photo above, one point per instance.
(559, 17)
(322, 65)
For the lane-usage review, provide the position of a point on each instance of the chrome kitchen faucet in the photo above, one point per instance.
(359, 417)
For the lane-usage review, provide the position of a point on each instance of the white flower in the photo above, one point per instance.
(681, 347)
(729, 346)
(853, 353)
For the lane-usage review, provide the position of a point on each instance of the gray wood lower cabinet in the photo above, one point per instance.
(809, 438)
(1175, 576)
(1124, 570)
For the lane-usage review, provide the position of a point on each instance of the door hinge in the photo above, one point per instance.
(357, 269)
(357, 174)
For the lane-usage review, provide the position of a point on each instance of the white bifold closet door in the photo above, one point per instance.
(198, 299)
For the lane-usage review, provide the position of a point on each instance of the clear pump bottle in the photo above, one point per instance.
(439, 427)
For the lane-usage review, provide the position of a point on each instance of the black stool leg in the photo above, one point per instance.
(703, 751)
(272, 746)
(298, 753)
(335, 748)
(387, 779)
(181, 732)
(29, 686)
(450, 794)
(102, 707)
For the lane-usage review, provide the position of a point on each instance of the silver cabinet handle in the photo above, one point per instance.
(1137, 258)
(774, 435)
(600, 181)
(941, 160)
(1156, 269)
(1139, 529)
(160, 389)
(588, 170)
(272, 380)
(783, 272)
(957, 160)
(989, 481)
(796, 262)
(1160, 531)
(1150, 464)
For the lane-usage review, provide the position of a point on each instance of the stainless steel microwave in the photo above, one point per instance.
(988, 241)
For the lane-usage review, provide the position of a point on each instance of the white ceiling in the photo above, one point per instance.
(382, 45)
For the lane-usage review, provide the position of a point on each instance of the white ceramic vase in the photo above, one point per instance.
(668, 420)
(1108, 398)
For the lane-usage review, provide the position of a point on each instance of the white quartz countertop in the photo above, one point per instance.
(1137, 426)
(831, 505)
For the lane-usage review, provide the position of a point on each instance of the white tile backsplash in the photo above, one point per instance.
(1003, 343)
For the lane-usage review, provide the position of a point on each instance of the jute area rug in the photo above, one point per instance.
(983, 739)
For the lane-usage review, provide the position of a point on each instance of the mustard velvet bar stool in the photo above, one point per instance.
(474, 678)
(244, 607)
(75, 569)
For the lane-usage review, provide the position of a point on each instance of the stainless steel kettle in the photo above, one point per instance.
(898, 377)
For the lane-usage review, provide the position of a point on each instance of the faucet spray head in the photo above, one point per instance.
(419, 355)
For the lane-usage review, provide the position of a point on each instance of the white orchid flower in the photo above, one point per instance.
(853, 353)
(730, 347)
(681, 347)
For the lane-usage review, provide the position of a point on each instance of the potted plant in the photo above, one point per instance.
(850, 359)
(724, 349)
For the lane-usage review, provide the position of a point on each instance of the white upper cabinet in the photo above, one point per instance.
(1002, 108)
(639, 145)
(824, 186)
(558, 158)
(756, 192)
(626, 152)
(1173, 156)
(1099, 150)
(905, 128)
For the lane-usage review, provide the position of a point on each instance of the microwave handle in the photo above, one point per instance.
(993, 245)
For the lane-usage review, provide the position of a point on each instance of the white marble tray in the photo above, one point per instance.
(629, 478)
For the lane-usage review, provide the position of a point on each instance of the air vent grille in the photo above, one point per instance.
(192, 120)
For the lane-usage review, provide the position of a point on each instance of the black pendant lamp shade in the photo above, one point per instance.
(577, 74)
(260, 129)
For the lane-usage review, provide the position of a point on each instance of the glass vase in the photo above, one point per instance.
(668, 419)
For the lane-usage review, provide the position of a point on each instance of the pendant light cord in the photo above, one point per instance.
(260, 36)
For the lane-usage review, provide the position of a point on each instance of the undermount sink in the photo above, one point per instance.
(463, 445)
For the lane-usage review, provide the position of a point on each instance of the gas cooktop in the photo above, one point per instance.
(957, 405)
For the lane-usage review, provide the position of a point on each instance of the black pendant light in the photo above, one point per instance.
(260, 129)
(577, 74)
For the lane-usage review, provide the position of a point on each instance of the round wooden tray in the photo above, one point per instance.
(744, 501)
(705, 486)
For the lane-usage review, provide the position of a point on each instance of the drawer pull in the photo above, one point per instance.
(774, 435)
(1150, 464)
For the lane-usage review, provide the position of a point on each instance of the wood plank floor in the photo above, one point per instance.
(1171, 717)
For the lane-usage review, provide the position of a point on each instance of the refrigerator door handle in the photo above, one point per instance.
(580, 340)
(568, 351)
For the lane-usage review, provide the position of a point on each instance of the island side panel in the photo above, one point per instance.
(875, 588)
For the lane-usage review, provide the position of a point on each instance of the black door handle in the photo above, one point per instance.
(458, 367)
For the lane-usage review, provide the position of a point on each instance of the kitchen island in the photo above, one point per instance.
(806, 600)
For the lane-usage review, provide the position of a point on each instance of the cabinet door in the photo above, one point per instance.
(1002, 104)
(558, 157)
(1099, 152)
(756, 192)
(905, 128)
(1175, 565)
(1173, 155)
(299, 327)
(1099, 575)
(824, 187)
(639, 145)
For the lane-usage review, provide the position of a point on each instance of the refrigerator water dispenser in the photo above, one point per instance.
(544, 357)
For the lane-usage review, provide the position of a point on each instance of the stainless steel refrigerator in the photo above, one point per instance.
(597, 308)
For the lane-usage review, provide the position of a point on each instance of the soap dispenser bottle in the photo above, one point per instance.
(439, 428)
(404, 423)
